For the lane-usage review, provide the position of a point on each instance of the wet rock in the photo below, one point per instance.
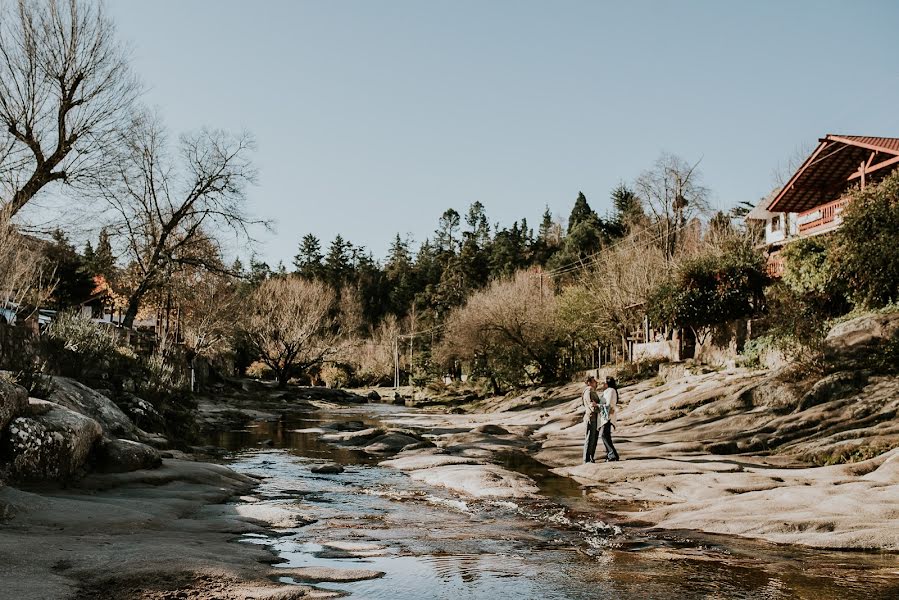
(374, 396)
(347, 426)
(53, 446)
(391, 442)
(329, 469)
(398, 400)
(353, 438)
(13, 401)
(327, 574)
(82, 399)
(121, 456)
(267, 442)
(491, 429)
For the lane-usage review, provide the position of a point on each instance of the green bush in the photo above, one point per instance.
(866, 252)
(712, 289)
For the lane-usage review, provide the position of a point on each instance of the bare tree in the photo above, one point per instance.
(512, 326)
(166, 214)
(65, 90)
(674, 194)
(617, 285)
(289, 323)
(24, 274)
(209, 304)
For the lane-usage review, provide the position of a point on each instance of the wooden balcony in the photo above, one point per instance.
(822, 218)
(775, 266)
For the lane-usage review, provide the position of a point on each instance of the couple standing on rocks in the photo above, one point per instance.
(598, 414)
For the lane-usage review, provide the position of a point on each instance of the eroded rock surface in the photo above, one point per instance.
(54, 445)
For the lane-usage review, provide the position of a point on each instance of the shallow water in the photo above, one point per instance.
(431, 543)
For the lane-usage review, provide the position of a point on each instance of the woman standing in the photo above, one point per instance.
(590, 400)
(607, 406)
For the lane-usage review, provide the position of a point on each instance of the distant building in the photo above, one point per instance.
(811, 202)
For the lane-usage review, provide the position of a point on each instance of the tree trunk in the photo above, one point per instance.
(131, 312)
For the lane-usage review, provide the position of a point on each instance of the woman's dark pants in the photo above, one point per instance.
(590, 440)
(611, 453)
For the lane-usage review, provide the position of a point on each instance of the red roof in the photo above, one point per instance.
(834, 166)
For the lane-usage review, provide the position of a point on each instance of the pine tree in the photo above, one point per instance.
(74, 281)
(628, 207)
(337, 263)
(104, 259)
(259, 271)
(308, 261)
(237, 269)
(478, 226)
(444, 237)
(580, 213)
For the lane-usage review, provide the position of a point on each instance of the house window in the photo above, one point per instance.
(775, 223)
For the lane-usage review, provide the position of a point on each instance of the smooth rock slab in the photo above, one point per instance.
(327, 575)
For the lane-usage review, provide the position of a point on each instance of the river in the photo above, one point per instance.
(430, 543)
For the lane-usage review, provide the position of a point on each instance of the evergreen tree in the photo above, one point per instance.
(546, 225)
(88, 254)
(308, 261)
(580, 213)
(478, 226)
(74, 282)
(259, 272)
(444, 237)
(628, 208)
(337, 262)
(237, 269)
(104, 259)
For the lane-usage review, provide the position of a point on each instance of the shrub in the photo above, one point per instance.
(335, 376)
(260, 370)
(635, 372)
(718, 286)
(866, 253)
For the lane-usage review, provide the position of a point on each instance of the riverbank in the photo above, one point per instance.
(730, 452)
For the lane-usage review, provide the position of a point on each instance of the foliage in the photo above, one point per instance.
(634, 372)
(510, 331)
(866, 253)
(87, 345)
(715, 287)
(260, 370)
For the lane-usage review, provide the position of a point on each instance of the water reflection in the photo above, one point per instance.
(431, 544)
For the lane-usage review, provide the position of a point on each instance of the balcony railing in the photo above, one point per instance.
(821, 218)
(775, 266)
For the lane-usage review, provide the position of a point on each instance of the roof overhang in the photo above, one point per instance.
(836, 164)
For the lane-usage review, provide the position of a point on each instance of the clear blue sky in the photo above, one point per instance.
(373, 117)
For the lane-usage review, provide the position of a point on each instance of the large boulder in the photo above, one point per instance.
(116, 455)
(82, 399)
(861, 335)
(13, 401)
(142, 413)
(51, 446)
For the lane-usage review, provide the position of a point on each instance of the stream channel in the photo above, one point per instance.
(431, 543)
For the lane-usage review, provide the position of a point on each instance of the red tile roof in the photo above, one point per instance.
(825, 175)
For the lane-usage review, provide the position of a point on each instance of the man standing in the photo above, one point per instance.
(607, 406)
(590, 400)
